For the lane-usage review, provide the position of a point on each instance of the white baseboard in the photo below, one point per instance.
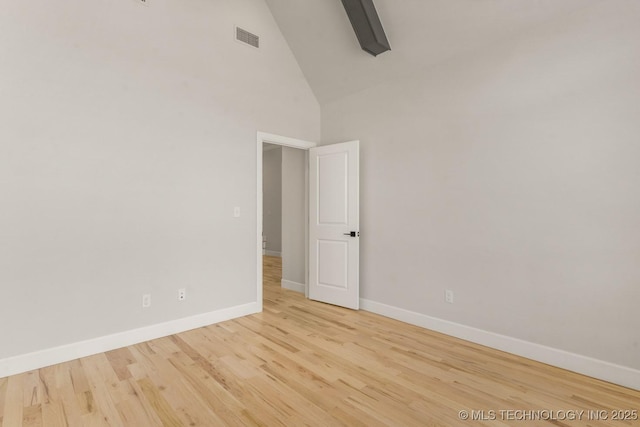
(64, 353)
(595, 368)
(273, 253)
(292, 286)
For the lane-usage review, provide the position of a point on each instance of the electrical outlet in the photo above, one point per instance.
(146, 300)
(182, 294)
(236, 212)
(448, 296)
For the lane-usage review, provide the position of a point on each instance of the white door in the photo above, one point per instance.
(334, 222)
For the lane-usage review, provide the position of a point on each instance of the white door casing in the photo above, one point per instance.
(334, 224)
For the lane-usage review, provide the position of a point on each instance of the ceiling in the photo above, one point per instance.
(422, 33)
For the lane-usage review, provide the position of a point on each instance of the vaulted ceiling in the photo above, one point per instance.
(422, 33)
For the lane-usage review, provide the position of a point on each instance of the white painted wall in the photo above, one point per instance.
(127, 136)
(293, 215)
(272, 199)
(510, 175)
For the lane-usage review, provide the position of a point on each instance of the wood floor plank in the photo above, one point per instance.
(32, 416)
(223, 404)
(104, 393)
(70, 404)
(50, 377)
(162, 408)
(120, 359)
(3, 395)
(53, 414)
(32, 389)
(14, 402)
(301, 362)
(78, 378)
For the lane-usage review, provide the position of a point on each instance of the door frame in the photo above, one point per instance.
(284, 141)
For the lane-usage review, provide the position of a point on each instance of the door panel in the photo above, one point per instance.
(333, 216)
(336, 255)
(333, 197)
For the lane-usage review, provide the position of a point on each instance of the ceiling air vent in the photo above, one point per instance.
(246, 37)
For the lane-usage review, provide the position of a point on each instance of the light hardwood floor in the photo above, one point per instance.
(305, 363)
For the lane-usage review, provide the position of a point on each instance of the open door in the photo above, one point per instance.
(334, 224)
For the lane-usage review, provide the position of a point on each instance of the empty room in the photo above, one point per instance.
(458, 243)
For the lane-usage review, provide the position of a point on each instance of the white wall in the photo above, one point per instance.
(272, 199)
(293, 215)
(127, 137)
(510, 176)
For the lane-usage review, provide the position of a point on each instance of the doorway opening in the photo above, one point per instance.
(294, 212)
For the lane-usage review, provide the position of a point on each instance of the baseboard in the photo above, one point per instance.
(595, 368)
(292, 286)
(273, 253)
(39, 359)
